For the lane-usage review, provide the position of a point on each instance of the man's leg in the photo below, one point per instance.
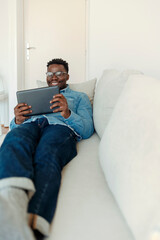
(16, 156)
(56, 148)
(16, 174)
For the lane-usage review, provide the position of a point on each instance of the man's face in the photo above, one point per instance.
(59, 78)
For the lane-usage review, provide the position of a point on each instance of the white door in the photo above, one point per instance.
(54, 29)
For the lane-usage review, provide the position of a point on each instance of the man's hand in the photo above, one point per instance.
(19, 111)
(60, 101)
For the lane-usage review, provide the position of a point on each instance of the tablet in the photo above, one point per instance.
(38, 98)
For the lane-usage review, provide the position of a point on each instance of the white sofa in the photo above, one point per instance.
(111, 189)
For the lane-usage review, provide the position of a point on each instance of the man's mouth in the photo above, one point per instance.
(53, 83)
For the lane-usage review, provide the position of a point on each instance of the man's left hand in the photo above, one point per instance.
(60, 101)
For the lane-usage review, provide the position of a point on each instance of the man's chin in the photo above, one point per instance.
(59, 85)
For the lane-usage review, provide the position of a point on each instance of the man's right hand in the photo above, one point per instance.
(20, 111)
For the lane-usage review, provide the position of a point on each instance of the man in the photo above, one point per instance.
(34, 153)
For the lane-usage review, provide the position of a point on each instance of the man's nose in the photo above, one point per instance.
(54, 76)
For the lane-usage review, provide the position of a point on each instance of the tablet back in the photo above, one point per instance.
(38, 98)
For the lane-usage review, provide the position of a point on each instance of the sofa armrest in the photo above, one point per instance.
(130, 155)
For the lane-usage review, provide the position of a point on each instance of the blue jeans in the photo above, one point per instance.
(38, 151)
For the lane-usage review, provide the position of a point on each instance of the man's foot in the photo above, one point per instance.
(13, 217)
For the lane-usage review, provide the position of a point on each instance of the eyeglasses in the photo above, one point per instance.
(57, 74)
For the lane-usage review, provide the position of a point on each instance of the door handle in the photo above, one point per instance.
(29, 48)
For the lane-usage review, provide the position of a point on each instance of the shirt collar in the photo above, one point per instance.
(65, 89)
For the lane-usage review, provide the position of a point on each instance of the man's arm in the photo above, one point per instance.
(82, 120)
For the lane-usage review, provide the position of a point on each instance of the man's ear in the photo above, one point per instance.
(67, 77)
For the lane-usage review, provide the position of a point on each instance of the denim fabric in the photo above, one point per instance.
(38, 151)
(80, 120)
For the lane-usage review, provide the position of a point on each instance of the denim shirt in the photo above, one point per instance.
(80, 120)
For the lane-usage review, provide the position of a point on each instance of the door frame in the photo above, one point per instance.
(16, 51)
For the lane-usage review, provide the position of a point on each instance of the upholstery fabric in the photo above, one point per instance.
(130, 155)
(41, 83)
(108, 90)
(87, 87)
(86, 208)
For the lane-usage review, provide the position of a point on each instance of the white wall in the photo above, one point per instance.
(4, 54)
(4, 46)
(124, 35)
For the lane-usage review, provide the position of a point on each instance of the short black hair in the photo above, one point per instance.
(59, 61)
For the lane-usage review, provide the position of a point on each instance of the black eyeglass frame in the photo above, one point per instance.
(57, 74)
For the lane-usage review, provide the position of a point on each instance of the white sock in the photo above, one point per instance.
(13, 215)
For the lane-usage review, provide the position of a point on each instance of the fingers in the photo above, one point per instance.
(21, 107)
(58, 97)
(59, 101)
(58, 105)
(20, 111)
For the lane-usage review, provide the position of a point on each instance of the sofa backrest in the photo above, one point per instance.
(107, 92)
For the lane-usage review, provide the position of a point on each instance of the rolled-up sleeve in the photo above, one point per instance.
(82, 120)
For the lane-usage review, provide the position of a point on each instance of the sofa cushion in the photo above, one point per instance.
(130, 155)
(41, 83)
(87, 87)
(108, 90)
(86, 209)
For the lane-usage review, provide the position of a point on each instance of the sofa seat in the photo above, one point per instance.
(86, 208)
